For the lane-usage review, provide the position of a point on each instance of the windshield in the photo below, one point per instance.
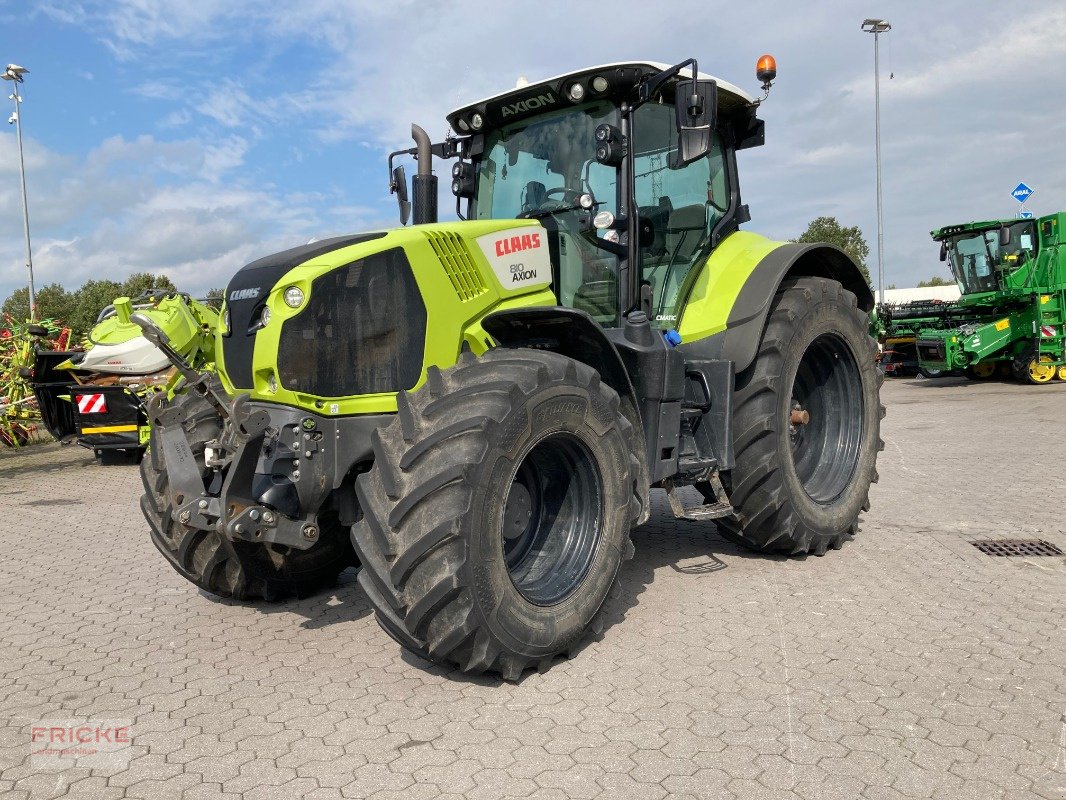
(542, 166)
(976, 257)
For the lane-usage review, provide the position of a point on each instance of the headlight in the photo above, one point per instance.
(224, 322)
(264, 317)
(294, 297)
(477, 121)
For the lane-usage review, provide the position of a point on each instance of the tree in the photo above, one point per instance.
(936, 280)
(79, 309)
(89, 301)
(214, 297)
(52, 301)
(850, 240)
(140, 282)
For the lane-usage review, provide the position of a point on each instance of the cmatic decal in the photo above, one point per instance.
(92, 404)
(518, 256)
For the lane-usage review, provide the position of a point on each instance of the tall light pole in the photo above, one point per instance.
(14, 74)
(877, 27)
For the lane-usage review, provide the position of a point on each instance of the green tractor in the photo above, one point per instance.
(1011, 318)
(474, 412)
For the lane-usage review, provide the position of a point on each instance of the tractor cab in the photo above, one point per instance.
(629, 166)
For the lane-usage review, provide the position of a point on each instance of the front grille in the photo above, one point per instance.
(458, 264)
(362, 331)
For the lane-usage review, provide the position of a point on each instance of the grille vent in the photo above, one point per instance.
(458, 265)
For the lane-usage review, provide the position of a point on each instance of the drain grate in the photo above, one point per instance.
(1017, 547)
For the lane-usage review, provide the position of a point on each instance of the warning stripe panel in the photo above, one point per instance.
(1048, 330)
(109, 429)
(92, 404)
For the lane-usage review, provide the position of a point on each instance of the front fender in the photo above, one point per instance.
(743, 325)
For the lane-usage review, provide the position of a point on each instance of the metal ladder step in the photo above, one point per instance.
(706, 511)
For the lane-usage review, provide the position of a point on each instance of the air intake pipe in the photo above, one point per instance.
(424, 184)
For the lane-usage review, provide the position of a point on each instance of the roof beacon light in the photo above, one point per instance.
(766, 71)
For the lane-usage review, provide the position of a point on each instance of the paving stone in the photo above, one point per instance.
(906, 665)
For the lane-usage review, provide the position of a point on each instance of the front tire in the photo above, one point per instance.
(237, 570)
(498, 510)
(799, 486)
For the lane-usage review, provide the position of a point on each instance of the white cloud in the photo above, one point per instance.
(968, 113)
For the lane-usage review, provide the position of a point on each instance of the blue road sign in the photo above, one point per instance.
(1025, 215)
(1021, 193)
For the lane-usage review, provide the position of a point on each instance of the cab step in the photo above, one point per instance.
(707, 511)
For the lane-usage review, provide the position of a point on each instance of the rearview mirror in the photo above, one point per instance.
(697, 111)
(399, 187)
(944, 251)
(1004, 236)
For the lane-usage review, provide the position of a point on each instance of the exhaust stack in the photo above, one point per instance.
(424, 184)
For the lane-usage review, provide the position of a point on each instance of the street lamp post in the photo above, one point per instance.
(877, 27)
(14, 74)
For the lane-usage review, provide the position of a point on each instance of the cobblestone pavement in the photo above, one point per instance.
(907, 664)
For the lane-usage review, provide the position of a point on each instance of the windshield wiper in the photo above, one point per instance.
(547, 212)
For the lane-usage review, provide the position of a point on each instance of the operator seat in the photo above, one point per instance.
(534, 196)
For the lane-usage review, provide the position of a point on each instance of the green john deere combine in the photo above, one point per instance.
(474, 412)
(1011, 318)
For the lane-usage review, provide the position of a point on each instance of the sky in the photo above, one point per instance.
(191, 138)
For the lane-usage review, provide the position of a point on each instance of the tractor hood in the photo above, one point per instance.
(342, 325)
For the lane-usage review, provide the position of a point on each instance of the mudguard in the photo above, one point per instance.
(744, 324)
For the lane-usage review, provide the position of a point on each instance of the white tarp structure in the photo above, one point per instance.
(896, 296)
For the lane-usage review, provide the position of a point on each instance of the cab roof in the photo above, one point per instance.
(547, 94)
(973, 227)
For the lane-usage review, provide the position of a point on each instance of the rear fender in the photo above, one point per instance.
(747, 318)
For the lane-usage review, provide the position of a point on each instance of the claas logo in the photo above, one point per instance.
(516, 244)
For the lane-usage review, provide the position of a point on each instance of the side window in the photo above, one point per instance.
(678, 207)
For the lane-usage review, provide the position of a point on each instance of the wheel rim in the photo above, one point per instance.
(551, 520)
(1041, 372)
(1062, 373)
(827, 393)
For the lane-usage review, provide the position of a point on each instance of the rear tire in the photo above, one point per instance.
(800, 487)
(237, 570)
(933, 373)
(498, 511)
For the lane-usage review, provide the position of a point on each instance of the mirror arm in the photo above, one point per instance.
(392, 181)
(648, 89)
